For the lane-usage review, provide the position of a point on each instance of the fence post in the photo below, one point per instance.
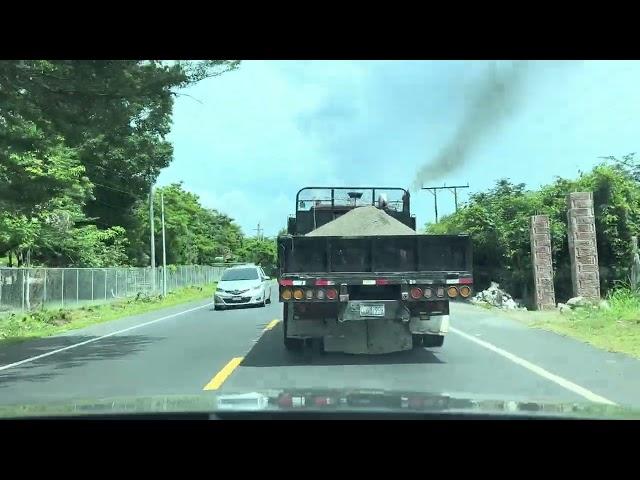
(44, 290)
(116, 283)
(105, 284)
(28, 291)
(92, 284)
(77, 285)
(62, 289)
(22, 278)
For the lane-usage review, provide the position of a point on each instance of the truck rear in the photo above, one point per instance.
(367, 293)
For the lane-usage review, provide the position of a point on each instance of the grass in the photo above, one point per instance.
(615, 329)
(42, 323)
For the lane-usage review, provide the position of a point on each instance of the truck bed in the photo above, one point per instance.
(394, 256)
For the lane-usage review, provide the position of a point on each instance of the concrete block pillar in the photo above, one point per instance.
(583, 250)
(544, 294)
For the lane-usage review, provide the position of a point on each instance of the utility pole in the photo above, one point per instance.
(164, 250)
(259, 230)
(153, 240)
(453, 189)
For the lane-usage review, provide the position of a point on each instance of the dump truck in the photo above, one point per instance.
(355, 277)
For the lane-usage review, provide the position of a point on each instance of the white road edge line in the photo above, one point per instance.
(563, 382)
(69, 347)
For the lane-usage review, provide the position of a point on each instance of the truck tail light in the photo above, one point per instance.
(298, 294)
(428, 293)
(286, 283)
(440, 292)
(452, 292)
(308, 294)
(416, 293)
(286, 294)
(320, 294)
(465, 291)
(466, 281)
(332, 293)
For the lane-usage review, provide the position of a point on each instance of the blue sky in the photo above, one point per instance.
(257, 135)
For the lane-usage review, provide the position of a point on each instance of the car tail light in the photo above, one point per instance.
(320, 294)
(440, 292)
(286, 294)
(298, 294)
(465, 291)
(332, 293)
(308, 294)
(452, 292)
(428, 293)
(416, 293)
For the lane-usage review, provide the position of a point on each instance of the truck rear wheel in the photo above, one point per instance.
(432, 340)
(291, 344)
(417, 340)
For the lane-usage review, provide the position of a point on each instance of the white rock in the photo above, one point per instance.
(576, 302)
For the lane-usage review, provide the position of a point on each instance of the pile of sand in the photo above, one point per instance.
(362, 221)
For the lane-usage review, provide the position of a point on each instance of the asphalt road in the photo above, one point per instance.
(191, 349)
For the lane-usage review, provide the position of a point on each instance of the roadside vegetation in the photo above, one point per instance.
(498, 222)
(16, 327)
(614, 326)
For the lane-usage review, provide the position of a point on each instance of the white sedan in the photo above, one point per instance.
(242, 285)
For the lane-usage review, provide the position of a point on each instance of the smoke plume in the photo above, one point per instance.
(493, 100)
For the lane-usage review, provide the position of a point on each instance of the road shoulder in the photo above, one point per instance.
(17, 352)
(612, 375)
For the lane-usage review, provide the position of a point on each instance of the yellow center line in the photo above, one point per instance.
(271, 324)
(223, 374)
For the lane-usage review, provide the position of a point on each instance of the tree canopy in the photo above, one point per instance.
(81, 143)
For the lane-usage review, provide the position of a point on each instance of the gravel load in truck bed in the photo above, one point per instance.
(362, 221)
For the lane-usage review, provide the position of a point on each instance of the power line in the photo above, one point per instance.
(452, 188)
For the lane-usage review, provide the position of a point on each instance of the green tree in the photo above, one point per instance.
(261, 251)
(83, 141)
(194, 234)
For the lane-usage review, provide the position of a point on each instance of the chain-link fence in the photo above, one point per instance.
(31, 288)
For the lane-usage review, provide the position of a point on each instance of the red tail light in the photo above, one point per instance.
(465, 281)
(416, 293)
(332, 293)
(324, 283)
(286, 283)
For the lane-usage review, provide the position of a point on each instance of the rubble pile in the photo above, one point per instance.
(496, 297)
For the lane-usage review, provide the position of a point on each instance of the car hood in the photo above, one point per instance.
(238, 284)
(345, 400)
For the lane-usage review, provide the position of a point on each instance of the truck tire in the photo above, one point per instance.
(431, 341)
(290, 344)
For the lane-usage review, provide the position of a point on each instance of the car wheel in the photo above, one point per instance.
(218, 307)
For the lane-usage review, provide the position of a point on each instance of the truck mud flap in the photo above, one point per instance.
(369, 337)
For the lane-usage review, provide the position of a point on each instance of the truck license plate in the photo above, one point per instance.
(372, 310)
